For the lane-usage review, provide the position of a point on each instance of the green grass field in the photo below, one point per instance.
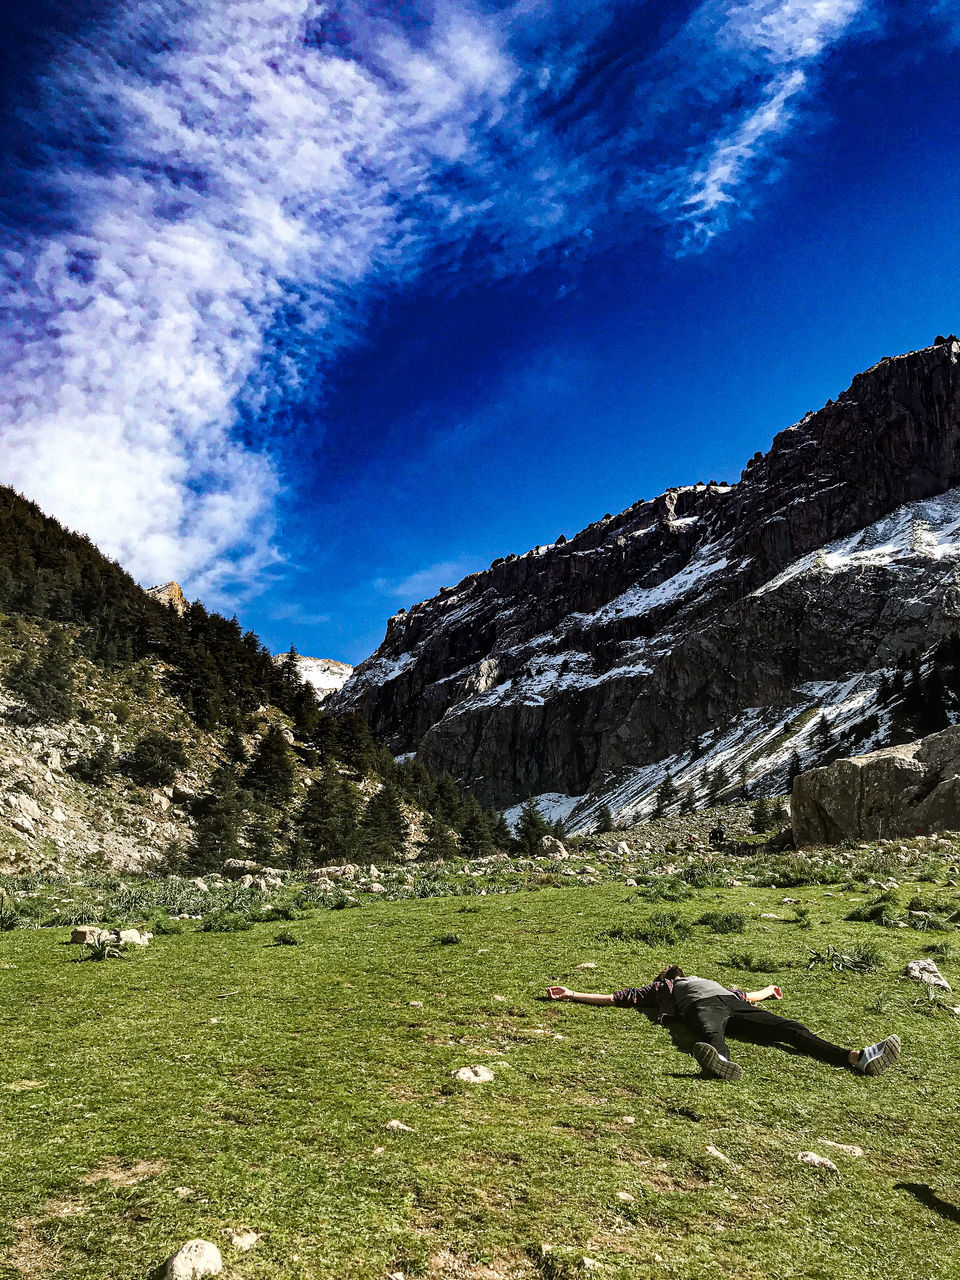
(217, 1081)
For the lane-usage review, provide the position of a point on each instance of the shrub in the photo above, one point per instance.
(724, 921)
(156, 760)
(9, 916)
(226, 922)
(661, 929)
(449, 939)
(883, 911)
(285, 939)
(96, 767)
(163, 924)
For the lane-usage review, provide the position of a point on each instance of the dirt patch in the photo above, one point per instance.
(65, 1209)
(20, 1086)
(120, 1174)
(28, 1255)
(447, 1266)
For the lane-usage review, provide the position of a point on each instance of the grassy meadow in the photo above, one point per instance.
(219, 1080)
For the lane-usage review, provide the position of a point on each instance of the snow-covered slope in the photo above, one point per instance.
(324, 674)
(712, 625)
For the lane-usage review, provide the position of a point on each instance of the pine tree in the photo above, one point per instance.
(666, 795)
(604, 822)
(760, 816)
(719, 782)
(441, 843)
(45, 682)
(778, 814)
(219, 815)
(384, 825)
(447, 804)
(794, 768)
(270, 774)
(688, 800)
(477, 835)
(355, 745)
(156, 759)
(500, 833)
(532, 826)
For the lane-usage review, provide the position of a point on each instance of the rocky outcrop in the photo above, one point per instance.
(170, 593)
(900, 791)
(593, 666)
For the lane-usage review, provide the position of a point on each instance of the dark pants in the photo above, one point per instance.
(709, 1019)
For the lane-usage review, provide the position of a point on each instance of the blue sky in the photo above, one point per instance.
(317, 307)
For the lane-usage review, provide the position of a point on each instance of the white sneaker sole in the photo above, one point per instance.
(891, 1052)
(714, 1064)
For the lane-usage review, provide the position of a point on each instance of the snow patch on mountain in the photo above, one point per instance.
(929, 529)
(325, 675)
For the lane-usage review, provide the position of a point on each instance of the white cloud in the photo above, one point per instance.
(426, 582)
(224, 164)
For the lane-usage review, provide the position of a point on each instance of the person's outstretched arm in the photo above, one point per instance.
(765, 993)
(580, 997)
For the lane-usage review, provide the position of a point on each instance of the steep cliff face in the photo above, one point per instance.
(711, 615)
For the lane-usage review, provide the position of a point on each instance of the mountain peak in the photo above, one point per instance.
(170, 593)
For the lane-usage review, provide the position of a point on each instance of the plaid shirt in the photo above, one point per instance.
(659, 994)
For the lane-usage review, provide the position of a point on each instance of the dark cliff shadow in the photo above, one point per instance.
(930, 1200)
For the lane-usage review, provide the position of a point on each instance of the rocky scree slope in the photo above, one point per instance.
(710, 625)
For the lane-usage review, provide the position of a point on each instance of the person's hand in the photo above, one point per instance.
(559, 993)
(777, 993)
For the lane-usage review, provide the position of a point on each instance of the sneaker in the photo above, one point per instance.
(875, 1058)
(715, 1064)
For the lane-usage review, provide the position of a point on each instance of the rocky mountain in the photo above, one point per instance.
(324, 675)
(706, 635)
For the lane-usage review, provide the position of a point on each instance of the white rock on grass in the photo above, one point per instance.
(132, 937)
(397, 1126)
(474, 1075)
(718, 1154)
(197, 1258)
(926, 971)
(817, 1162)
(845, 1148)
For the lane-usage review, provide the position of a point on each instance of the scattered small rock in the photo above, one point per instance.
(474, 1075)
(242, 1238)
(845, 1148)
(397, 1126)
(587, 964)
(818, 1162)
(625, 1197)
(718, 1155)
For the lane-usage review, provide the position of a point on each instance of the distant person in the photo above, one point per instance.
(706, 1008)
(718, 836)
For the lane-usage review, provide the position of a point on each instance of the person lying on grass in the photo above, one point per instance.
(707, 1009)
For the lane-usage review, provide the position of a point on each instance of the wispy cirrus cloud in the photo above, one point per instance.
(426, 582)
(223, 188)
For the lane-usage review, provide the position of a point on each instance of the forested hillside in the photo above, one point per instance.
(186, 732)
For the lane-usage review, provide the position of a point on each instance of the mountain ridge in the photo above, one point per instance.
(552, 672)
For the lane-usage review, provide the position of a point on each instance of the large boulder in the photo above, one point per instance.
(900, 791)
